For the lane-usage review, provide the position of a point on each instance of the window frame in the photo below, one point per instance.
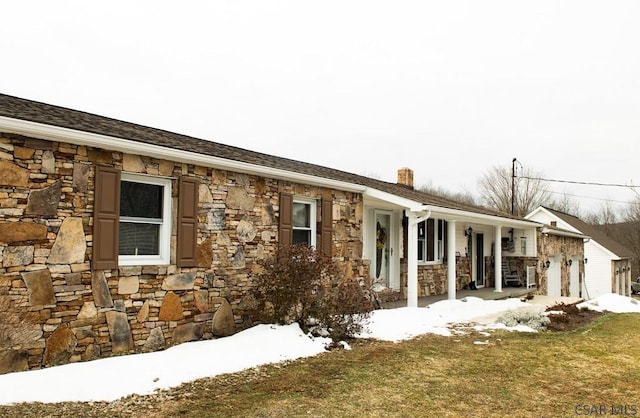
(312, 203)
(164, 244)
(439, 249)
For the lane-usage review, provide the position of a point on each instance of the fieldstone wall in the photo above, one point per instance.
(565, 247)
(432, 278)
(46, 225)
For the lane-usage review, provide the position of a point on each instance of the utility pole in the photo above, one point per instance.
(513, 184)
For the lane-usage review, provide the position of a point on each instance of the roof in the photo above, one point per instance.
(46, 114)
(596, 233)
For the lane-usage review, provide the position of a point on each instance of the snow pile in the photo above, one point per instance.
(406, 323)
(112, 378)
(611, 302)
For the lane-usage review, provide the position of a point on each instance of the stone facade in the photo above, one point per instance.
(46, 227)
(564, 248)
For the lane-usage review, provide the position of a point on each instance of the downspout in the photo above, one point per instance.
(412, 255)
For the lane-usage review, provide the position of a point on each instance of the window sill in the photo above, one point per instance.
(128, 260)
(430, 263)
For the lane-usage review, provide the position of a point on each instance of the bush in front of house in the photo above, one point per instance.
(535, 320)
(301, 285)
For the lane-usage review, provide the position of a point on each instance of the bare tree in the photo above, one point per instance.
(530, 191)
(565, 203)
(606, 214)
(463, 197)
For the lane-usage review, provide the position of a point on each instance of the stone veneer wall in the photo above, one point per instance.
(74, 314)
(566, 247)
(432, 278)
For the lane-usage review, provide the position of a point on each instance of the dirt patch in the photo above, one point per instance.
(571, 317)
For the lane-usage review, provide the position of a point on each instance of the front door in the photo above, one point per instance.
(383, 248)
(480, 260)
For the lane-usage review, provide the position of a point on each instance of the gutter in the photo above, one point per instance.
(56, 133)
(564, 233)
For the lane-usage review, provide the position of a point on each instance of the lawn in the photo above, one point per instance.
(509, 374)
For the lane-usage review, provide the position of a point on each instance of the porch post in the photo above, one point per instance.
(497, 264)
(412, 255)
(412, 262)
(451, 260)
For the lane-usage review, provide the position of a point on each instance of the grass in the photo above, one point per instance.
(516, 374)
(544, 374)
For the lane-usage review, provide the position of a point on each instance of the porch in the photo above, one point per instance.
(483, 293)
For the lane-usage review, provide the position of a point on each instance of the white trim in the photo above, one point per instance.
(56, 133)
(164, 246)
(312, 217)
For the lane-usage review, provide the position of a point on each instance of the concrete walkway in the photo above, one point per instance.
(487, 293)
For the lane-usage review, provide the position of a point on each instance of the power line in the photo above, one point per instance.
(593, 198)
(585, 183)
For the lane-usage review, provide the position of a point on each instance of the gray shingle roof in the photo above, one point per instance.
(28, 110)
(596, 234)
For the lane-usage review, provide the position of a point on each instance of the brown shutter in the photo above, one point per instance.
(326, 230)
(285, 236)
(187, 222)
(106, 213)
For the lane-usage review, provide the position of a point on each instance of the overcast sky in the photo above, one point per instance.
(447, 88)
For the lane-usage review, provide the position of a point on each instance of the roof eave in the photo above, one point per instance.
(57, 133)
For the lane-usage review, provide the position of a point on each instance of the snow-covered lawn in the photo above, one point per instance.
(112, 378)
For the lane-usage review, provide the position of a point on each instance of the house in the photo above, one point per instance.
(607, 263)
(116, 237)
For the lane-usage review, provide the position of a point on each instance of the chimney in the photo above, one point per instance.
(405, 177)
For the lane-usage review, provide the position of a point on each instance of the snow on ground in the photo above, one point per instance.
(112, 378)
(611, 302)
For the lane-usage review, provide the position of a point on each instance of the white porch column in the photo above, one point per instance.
(497, 264)
(412, 255)
(412, 262)
(451, 260)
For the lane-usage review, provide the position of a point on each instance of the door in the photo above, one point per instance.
(480, 260)
(574, 277)
(553, 277)
(384, 252)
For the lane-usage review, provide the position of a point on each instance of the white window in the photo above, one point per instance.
(431, 240)
(304, 222)
(145, 220)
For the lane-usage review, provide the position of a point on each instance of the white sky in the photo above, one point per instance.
(264, 344)
(448, 88)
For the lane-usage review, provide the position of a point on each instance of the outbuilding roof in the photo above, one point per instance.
(594, 232)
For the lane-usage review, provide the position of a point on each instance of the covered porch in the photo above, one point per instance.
(484, 293)
(424, 252)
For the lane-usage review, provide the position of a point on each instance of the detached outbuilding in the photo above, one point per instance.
(607, 263)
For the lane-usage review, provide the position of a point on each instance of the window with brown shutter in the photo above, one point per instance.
(285, 235)
(187, 222)
(326, 229)
(106, 215)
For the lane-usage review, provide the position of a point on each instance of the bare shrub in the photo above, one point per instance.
(535, 320)
(301, 285)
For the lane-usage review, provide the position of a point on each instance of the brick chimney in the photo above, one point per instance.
(405, 177)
